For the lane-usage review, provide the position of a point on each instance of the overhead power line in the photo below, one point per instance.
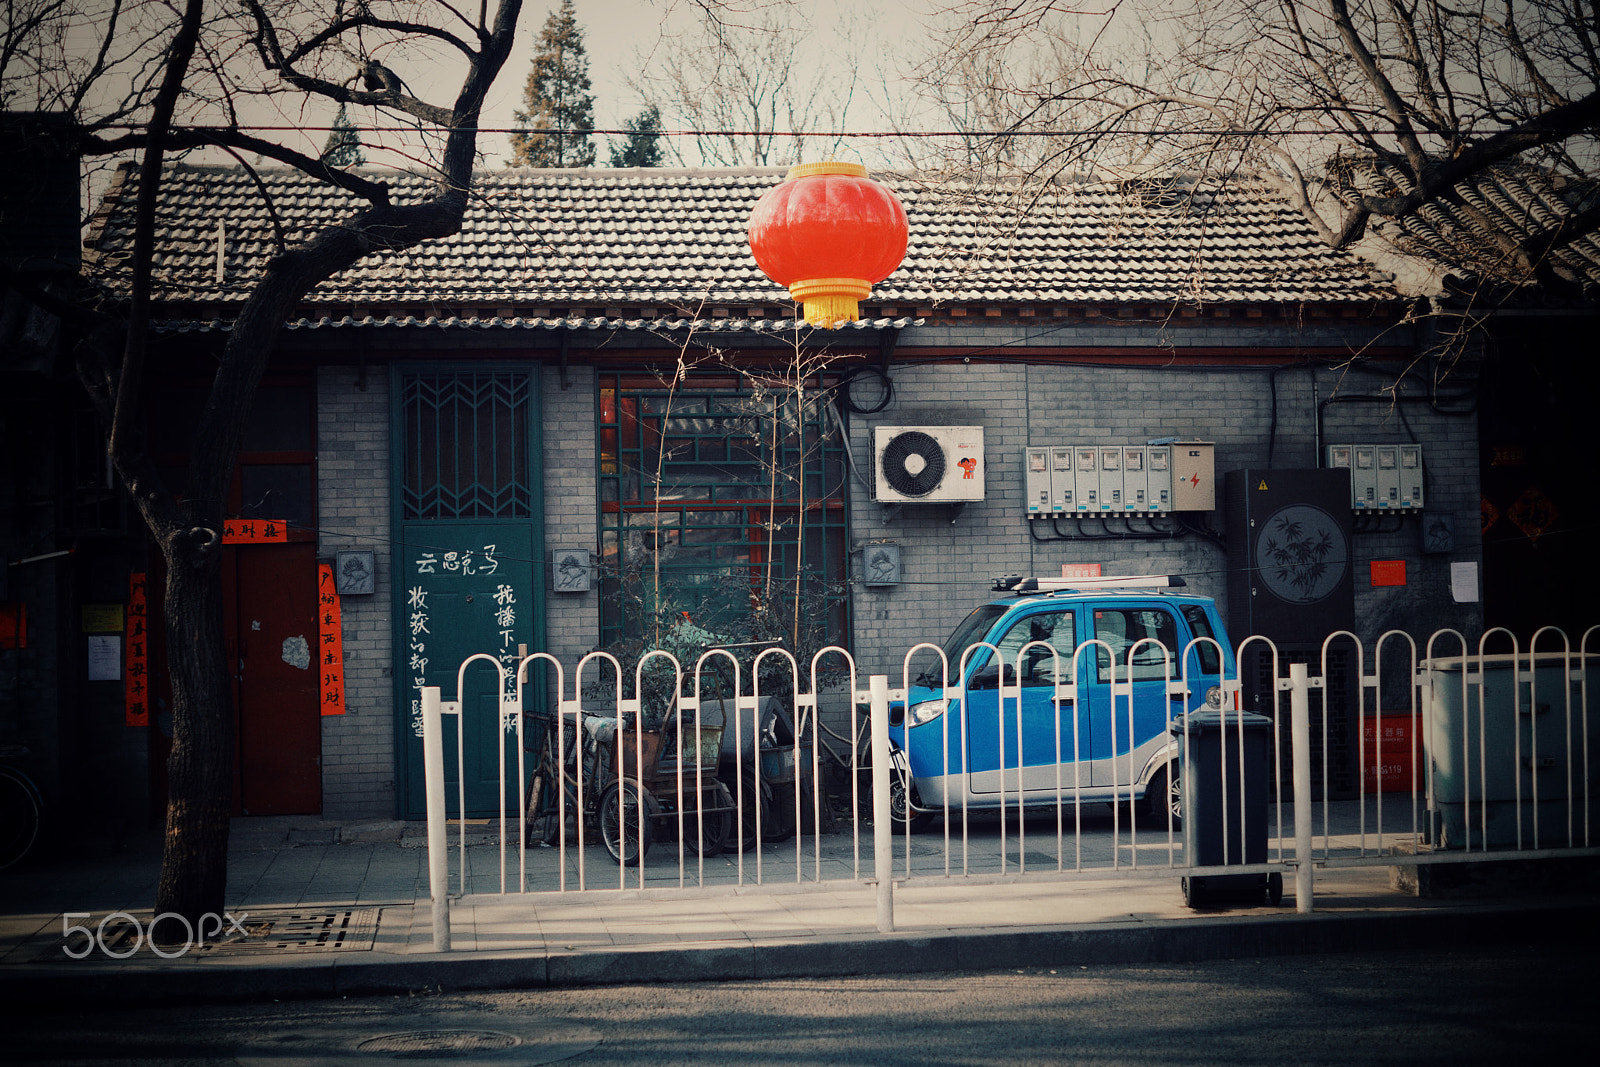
(1194, 131)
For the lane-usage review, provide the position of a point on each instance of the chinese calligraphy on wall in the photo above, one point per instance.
(330, 643)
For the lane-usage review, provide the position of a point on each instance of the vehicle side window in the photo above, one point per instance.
(1200, 626)
(1039, 667)
(1122, 628)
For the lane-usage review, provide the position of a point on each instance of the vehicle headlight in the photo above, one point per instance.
(1214, 697)
(927, 711)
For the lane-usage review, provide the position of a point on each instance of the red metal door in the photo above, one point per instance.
(270, 612)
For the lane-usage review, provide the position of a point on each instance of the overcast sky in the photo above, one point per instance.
(620, 35)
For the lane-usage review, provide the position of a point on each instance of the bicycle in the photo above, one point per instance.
(613, 805)
(21, 808)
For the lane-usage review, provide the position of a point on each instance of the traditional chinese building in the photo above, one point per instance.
(589, 415)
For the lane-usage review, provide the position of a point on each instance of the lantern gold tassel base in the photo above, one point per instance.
(830, 301)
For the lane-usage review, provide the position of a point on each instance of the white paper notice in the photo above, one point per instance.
(105, 658)
(1464, 582)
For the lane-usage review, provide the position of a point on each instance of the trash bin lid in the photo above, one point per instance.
(1218, 719)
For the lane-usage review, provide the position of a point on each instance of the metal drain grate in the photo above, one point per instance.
(265, 930)
(294, 930)
(422, 1043)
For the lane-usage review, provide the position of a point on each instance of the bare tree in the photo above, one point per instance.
(140, 91)
(1360, 110)
(750, 80)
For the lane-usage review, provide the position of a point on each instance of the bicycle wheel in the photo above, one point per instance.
(20, 809)
(625, 823)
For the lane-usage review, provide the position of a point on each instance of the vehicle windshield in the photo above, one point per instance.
(972, 630)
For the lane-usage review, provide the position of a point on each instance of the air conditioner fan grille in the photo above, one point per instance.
(913, 463)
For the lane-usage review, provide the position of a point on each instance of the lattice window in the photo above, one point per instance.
(720, 499)
(465, 445)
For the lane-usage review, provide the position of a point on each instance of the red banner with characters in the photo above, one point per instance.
(136, 672)
(330, 643)
(254, 531)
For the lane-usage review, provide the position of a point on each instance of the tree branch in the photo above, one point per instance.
(125, 397)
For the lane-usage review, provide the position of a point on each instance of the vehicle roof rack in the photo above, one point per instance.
(1016, 583)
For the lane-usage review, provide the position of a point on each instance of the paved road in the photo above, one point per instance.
(1456, 1007)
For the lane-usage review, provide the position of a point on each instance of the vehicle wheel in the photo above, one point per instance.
(625, 823)
(708, 834)
(1274, 889)
(1163, 795)
(920, 820)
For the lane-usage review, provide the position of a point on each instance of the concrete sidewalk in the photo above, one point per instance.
(325, 909)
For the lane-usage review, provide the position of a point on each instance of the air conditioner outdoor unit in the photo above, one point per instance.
(927, 464)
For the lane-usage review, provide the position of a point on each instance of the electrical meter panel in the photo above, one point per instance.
(1382, 477)
(1111, 479)
(1063, 482)
(1036, 481)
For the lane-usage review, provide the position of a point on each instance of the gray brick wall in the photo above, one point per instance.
(353, 494)
(570, 504)
(946, 565)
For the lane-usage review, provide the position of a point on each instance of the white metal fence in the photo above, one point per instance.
(1472, 751)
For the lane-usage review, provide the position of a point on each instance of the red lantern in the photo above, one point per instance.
(828, 232)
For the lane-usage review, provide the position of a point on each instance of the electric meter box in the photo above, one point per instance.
(1086, 467)
(1159, 478)
(1036, 481)
(1103, 479)
(1135, 480)
(1382, 477)
(1194, 476)
(1411, 477)
(1063, 483)
(1110, 480)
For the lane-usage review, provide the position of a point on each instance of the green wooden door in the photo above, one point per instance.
(467, 535)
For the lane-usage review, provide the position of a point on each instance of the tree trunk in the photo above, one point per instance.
(194, 872)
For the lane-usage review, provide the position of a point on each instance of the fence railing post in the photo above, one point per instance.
(882, 816)
(1300, 740)
(438, 846)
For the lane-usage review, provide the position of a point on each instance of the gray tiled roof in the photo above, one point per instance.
(675, 240)
(1466, 239)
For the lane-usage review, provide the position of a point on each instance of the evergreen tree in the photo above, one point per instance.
(643, 146)
(557, 99)
(343, 147)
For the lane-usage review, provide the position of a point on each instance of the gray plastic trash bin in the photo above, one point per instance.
(1225, 804)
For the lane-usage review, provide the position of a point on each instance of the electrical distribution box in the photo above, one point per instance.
(1104, 479)
(1382, 477)
(1194, 476)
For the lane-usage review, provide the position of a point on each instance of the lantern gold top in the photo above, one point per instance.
(828, 166)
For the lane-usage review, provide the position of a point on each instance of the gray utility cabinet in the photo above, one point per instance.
(1506, 747)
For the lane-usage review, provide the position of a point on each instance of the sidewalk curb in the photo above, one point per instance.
(70, 986)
